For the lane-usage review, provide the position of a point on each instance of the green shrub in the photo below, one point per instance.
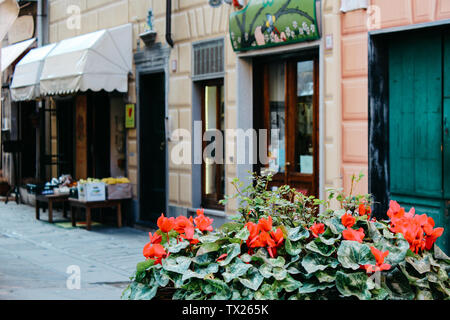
(281, 247)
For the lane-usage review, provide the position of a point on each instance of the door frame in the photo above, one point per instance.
(378, 100)
(139, 141)
(209, 203)
(289, 62)
(153, 59)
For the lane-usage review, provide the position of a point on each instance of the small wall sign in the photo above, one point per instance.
(130, 116)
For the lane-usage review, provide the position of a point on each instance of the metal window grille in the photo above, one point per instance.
(208, 59)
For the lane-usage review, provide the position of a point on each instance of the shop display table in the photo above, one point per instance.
(50, 199)
(75, 204)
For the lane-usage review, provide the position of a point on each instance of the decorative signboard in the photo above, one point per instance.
(129, 116)
(268, 23)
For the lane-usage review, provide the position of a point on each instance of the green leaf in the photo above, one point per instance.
(233, 250)
(353, 284)
(209, 238)
(313, 262)
(335, 225)
(397, 249)
(326, 276)
(422, 265)
(289, 284)
(144, 265)
(328, 241)
(279, 273)
(293, 248)
(278, 262)
(229, 227)
(321, 248)
(139, 291)
(266, 293)
(311, 287)
(221, 289)
(208, 247)
(204, 259)
(440, 255)
(246, 257)
(161, 277)
(235, 270)
(178, 264)
(177, 247)
(398, 285)
(252, 279)
(266, 270)
(298, 233)
(201, 273)
(243, 234)
(352, 254)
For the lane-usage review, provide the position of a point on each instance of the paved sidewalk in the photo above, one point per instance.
(35, 256)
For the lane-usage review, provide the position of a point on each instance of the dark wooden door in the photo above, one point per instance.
(418, 116)
(152, 147)
(290, 113)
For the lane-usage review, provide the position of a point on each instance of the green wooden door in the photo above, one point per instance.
(419, 176)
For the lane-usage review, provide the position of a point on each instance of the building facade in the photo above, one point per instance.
(316, 72)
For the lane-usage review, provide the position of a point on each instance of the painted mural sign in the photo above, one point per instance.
(267, 23)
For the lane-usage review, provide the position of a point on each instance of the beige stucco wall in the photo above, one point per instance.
(192, 20)
(332, 111)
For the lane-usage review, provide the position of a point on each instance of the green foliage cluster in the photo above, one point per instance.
(305, 267)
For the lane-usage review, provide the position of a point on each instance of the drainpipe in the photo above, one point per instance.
(41, 24)
(169, 22)
(42, 38)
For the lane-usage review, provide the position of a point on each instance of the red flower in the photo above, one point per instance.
(200, 211)
(154, 251)
(353, 235)
(203, 223)
(265, 224)
(431, 239)
(363, 210)
(418, 230)
(348, 220)
(317, 228)
(155, 238)
(278, 237)
(165, 224)
(184, 225)
(379, 258)
(262, 236)
(222, 257)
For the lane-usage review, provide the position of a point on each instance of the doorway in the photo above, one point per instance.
(152, 147)
(288, 107)
(213, 123)
(419, 122)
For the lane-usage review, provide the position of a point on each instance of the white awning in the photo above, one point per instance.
(96, 61)
(12, 52)
(27, 74)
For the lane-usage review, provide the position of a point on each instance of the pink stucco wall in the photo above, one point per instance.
(354, 36)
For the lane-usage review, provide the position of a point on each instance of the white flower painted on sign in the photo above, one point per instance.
(295, 24)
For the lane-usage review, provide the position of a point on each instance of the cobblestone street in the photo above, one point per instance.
(35, 256)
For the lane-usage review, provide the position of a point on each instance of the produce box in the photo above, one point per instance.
(119, 191)
(93, 191)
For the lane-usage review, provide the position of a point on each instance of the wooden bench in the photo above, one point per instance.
(75, 204)
(50, 199)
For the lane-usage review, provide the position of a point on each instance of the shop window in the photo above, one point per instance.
(213, 122)
(287, 106)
